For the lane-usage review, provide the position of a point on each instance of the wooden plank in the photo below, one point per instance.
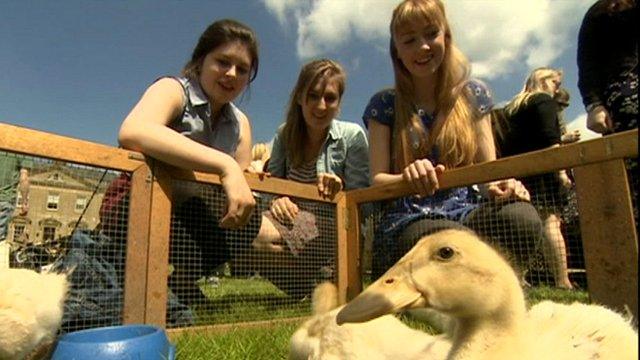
(135, 285)
(610, 147)
(354, 270)
(609, 236)
(265, 184)
(57, 147)
(158, 255)
(342, 262)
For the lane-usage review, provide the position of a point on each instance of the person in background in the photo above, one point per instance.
(533, 123)
(260, 155)
(608, 65)
(562, 97)
(436, 118)
(608, 73)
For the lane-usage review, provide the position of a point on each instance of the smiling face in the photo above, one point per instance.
(420, 47)
(321, 104)
(225, 73)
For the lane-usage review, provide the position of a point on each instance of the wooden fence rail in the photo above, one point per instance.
(607, 226)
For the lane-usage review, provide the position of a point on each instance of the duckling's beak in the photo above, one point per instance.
(393, 292)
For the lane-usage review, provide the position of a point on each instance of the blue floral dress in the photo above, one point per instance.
(450, 204)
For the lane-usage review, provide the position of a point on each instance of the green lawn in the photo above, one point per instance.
(238, 300)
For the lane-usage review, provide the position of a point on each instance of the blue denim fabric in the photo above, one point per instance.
(6, 212)
(96, 295)
(345, 153)
(196, 124)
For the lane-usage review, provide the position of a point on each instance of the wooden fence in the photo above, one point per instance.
(606, 219)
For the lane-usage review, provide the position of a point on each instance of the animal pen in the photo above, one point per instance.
(136, 260)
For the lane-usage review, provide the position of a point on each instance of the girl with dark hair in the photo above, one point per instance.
(191, 122)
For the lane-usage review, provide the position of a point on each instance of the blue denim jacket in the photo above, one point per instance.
(345, 153)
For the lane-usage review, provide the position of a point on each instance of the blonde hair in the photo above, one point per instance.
(260, 151)
(294, 131)
(453, 134)
(534, 84)
(562, 97)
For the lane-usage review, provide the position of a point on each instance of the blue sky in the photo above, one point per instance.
(76, 68)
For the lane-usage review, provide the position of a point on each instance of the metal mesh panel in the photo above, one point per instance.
(541, 238)
(53, 223)
(221, 276)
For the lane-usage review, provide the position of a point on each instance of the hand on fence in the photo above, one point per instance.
(599, 120)
(329, 185)
(240, 201)
(571, 137)
(257, 167)
(284, 210)
(423, 176)
(564, 180)
(507, 189)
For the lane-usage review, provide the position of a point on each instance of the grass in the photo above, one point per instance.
(267, 302)
(255, 343)
(242, 300)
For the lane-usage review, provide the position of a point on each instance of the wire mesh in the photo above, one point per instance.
(541, 237)
(220, 276)
(51, 222)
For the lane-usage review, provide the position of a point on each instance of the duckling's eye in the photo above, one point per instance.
(445, 253)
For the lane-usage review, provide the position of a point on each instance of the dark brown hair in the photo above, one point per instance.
(220, 33)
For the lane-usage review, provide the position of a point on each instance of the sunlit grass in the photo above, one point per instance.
(272, 341)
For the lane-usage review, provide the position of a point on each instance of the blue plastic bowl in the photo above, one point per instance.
(115, 342)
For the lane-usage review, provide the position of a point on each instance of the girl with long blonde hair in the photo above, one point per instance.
(436, 118)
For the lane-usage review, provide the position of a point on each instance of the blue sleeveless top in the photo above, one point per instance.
(195, 121)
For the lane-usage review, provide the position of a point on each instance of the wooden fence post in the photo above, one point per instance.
(135, 283)
(158, 255)
(608, 234)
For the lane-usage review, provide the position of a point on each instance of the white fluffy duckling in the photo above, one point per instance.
(454, 272)
(385, 337)
(31, 308)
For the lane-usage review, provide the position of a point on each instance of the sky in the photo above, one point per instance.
(76, 68)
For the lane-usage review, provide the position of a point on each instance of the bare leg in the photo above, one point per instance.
(268, 238)
(555, 251)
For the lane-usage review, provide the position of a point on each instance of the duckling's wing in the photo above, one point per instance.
(582, 331)
(17, 330)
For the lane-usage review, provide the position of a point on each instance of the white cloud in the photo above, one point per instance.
(580, 123)
(499, 35)
(280, 8)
